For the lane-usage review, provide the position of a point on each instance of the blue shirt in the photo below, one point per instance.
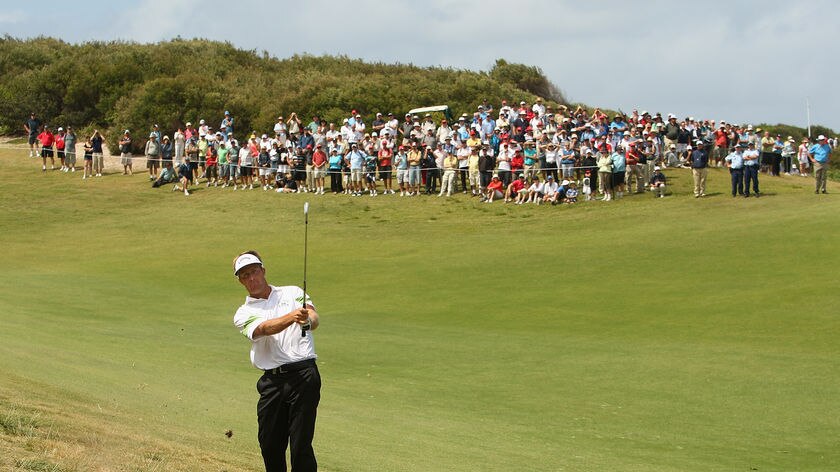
(699, 159)
(619, 164)
(736, 159)
(820, 152)
(357, 159)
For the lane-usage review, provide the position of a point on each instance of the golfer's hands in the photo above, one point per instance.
(300, 316)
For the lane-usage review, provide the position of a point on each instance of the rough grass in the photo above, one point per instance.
(650, 335)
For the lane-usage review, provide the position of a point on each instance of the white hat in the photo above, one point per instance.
(656, 168)
(152, 135)
(564, 182)
(189, 124)
(245, 260)
(820, 137)
(201, 122)
(671, 115)
(60, 128)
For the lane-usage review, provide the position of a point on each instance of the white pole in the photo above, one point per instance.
(808, 114)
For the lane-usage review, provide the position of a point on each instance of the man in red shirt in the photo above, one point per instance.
(47, 140)
(515, 189)
(319, 168)
(632, 170)
(494, 189)
(721, 146)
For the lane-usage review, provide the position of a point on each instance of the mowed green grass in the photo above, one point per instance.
(638, 335)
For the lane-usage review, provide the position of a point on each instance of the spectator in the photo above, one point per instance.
(223, 153)
(212, 165)
(788, 151)
(735, 162)
(571, 193)
(356, 159)
(535, 192)
(166, 150)
(517, 190)
(96, 141)
(125, 153)
(167, 176)
(657, 183)
(803, 158)
(185, 177)
(226, 127)
(415, 156)
(619, 166)
(180, 142)
(494, 189)
(152, 153)
(334, 163)
(88, 158)
(699, 161)
(32, 126)
(70, 149)
(319, 168)
(429, 166)
(550, 188)
(47, 140)
(59, 147)
(370, 173)
(751, 166)
(450, 166)
(401, 166)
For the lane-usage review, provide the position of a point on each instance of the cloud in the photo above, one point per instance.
(740, 61)
(12, 17)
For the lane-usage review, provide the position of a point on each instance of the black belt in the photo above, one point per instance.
(291, 367)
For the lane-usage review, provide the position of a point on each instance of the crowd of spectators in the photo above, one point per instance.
(517, 153)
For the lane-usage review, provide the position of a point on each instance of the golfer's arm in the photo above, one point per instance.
(314, 320)
(276, 325)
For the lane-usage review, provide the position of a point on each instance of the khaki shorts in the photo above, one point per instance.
(356, 175)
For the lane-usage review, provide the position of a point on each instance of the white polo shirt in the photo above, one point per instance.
(287, 346)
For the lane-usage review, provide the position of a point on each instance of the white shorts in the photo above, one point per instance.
(264, 172)
(475, 179)
(355, 175)
(402, 176)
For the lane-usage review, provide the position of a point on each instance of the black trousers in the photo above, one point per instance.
(463, 171)
(750, 174)
(737, 176)
(335, 180)
(432, 176)
(286, 416)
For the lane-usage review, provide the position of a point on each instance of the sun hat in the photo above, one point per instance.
(245, 260)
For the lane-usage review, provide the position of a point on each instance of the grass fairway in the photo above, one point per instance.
(641, 335)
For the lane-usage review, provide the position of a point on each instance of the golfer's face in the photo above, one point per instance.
(253, 278)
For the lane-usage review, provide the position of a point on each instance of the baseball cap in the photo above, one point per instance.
(564, 182)
(656, 168)
(820, 137)
(245, 260)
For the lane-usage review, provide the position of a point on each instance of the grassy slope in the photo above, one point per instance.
(641, 335)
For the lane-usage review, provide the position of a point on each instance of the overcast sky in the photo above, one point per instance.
(737, 61)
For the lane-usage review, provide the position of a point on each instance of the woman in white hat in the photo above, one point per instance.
(802, 157)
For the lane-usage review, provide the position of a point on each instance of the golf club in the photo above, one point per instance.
(305, 327)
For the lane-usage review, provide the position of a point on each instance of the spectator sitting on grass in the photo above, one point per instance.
(167, 176)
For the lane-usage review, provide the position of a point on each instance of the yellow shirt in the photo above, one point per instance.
(414, 157)
(473, 162)
(767, 144)
(450, 162)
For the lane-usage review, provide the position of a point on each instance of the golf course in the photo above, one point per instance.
(642, 334)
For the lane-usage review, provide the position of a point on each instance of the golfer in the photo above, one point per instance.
(279, 327)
